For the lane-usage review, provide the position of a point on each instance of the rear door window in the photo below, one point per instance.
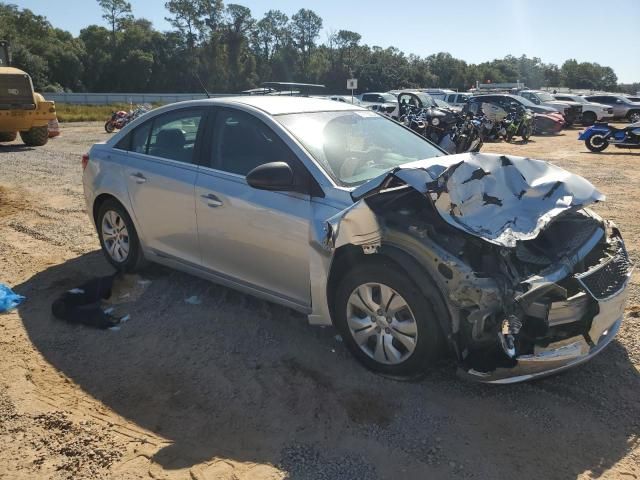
(140, 138)
(174, 135)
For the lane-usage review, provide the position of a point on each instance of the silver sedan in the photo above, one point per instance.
(349, 217)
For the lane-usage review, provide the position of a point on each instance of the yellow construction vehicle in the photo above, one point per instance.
(21, 109)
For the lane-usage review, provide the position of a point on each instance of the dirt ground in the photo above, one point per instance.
(237, 388)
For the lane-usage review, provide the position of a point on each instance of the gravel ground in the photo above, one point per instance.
(237, 388)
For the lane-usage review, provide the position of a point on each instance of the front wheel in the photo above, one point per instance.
(118, 237)
(526, 133)
(36, 136)
(634, 116)
(596, 143)
(386, 321)
(109, 127)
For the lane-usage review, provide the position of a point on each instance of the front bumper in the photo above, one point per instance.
(557, 357)
(598, 309)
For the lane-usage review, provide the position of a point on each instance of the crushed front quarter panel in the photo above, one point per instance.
(501, 200)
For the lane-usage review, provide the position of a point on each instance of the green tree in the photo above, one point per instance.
(115, 12)
(305, 29)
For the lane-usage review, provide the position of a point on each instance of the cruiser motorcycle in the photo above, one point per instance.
(600, 135)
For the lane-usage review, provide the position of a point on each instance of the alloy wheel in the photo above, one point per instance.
(115, 236)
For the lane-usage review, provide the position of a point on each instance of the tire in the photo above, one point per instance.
(8, 136)
(36, 137)
(526, 134)
(124, 251)
(108, 127)
(410, 343)
(633, 116)
(596, 143)
(589, 118)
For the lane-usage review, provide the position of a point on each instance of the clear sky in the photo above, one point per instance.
(606, 32)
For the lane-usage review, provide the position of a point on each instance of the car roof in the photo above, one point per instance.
(279, 105)
(496, 95)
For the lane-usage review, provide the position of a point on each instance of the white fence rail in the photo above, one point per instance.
(135, 98)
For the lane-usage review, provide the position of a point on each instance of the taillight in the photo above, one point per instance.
(85, 160)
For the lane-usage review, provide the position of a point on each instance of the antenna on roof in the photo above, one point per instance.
(203, 87)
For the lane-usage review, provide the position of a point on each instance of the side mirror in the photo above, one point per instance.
(275, 176)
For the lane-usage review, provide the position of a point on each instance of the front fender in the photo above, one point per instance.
(591, 131)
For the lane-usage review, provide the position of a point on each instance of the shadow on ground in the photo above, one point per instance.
(239, 378)
(15, 148)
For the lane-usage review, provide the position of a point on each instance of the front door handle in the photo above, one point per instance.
(212, 200)
(138, 177)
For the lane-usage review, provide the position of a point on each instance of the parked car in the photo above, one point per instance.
(438, 93)
(378, 101)
(572, 111)
(355, 220)
(622, 106)
(345, 99)
(505, 101)
(591, 112)
(376, 97)
(457, 100)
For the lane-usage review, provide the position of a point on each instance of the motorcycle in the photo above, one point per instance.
(121, 118)
(600, 135)
(435, 123)
(466, 134)
(518, 122)
(117, 121)
(451, 132)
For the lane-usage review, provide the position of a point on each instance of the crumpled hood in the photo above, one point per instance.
(502, 199)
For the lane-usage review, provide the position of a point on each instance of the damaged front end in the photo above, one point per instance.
(533, 282)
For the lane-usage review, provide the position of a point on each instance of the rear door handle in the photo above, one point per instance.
(212, 200)
(138, 177)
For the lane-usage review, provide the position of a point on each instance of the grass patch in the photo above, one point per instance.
(89, 113)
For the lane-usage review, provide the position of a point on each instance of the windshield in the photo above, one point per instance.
(524, 101)
(356, 146)
(545, 97)
(388, 98)
(427, 100)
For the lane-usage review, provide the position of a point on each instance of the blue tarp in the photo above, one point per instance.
(8, 299)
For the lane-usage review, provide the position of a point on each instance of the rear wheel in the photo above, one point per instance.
(634, 116)
(8, 136)
(36, 136)
(118, 237)
(386, 321)
(589, 118)
(596, 143)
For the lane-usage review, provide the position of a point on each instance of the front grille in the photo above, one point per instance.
(610, 276)
(15, 91)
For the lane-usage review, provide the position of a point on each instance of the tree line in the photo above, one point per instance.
(229, 50)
